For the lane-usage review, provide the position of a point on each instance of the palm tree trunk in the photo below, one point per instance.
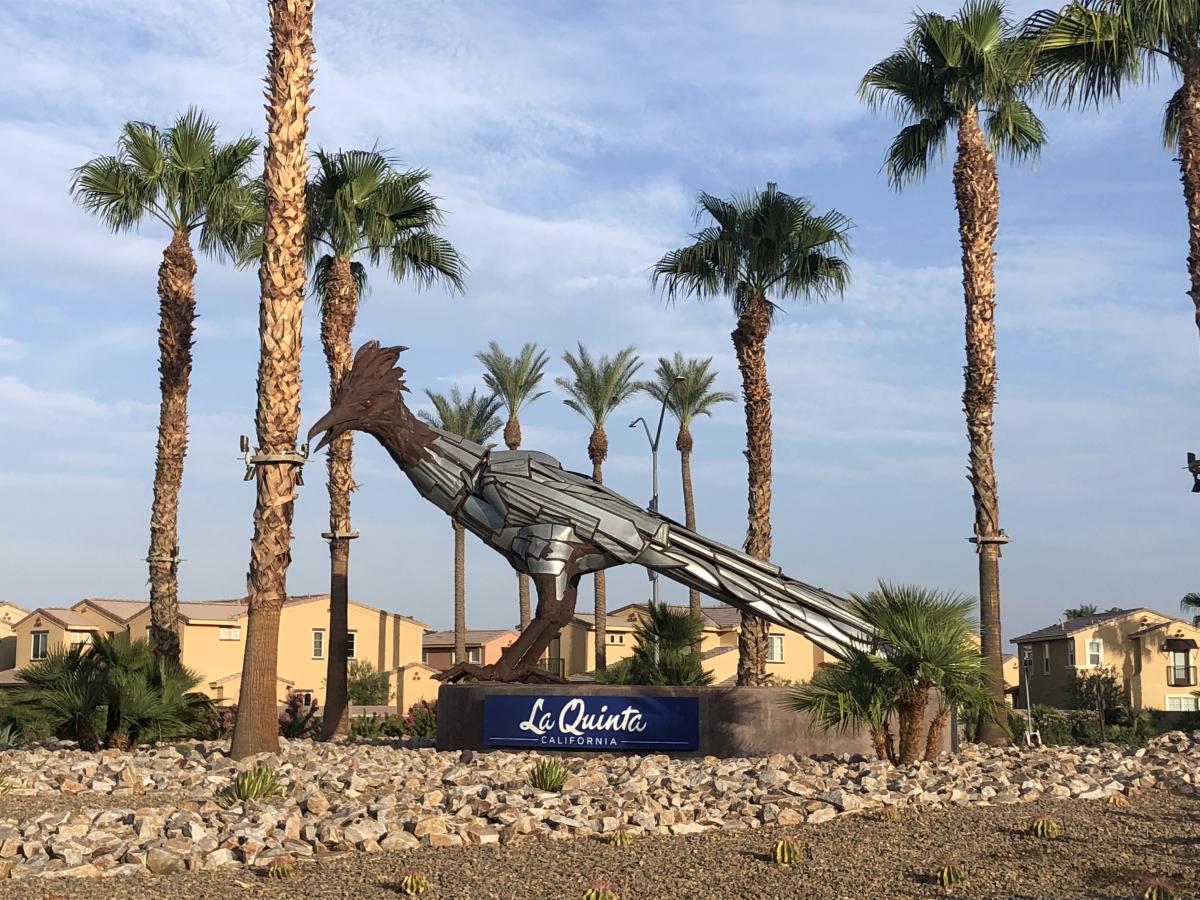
(512, 439)
(597, 453)
(933, 741)
(460, 593)
(912, 717)
(1189, 168)
(879, 740)
(683, 443)
(281, 276)
(977, 196)
(750, 343)
(177, 312)
(337, 324)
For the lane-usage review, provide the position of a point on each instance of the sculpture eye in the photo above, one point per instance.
(368, 403)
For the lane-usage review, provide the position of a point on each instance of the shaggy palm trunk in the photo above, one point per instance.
(683, 443)
(879, 740)
(977, 196)
(933, 741)
(460, 593)
(177, 312)
(337, 323)
(1189, 167)
(512, 440)
(281, 277)
(750, 343)
(912, 716)
(597, 453)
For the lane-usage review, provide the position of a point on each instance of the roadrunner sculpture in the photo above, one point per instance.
(557, 526)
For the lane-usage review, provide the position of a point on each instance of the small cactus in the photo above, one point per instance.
(889, 812)
(785, 852)
(1158, 889)
(600, 890)
(281, 868)
(1117, 801)
(951, 874)
(413, 883)
(622, 837)
(1046, 827)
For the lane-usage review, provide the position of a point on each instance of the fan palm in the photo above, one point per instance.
(969, 73)
(281, 276)
(1090, 48)
(596, 388)
(196, 188)
(761, 248)
(665, 651)
(472, 417)
(686, 385)
(1078, 612)
(515, 380)
(360, 205)
(845, 695)
(1190, 601)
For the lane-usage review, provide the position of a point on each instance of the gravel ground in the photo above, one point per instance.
(24, 806)
(1104, 852)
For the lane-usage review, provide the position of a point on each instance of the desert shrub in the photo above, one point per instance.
(367, 726)
(665, 652)
(421, 721)
(548, 775)
(219, 723)
(297, 720)
(365, 686)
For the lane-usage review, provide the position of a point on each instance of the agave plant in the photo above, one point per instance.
(548, 775)
(255, 783)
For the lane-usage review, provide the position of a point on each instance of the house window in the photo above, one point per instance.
(1046, 658)
(1094, 654)
(614, 638)
(1181, 704)
(41, 645)
(1070, 654)
(80, 638)
(775, 648)
(318, 643)
(473, 654)
(425, 657)
(230, 633)
(351, 641)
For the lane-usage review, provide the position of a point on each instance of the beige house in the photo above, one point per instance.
(10, 614)
(211, 638)
(483, 647)
(1154, 656)
(790, 655)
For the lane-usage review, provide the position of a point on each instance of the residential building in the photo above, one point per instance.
(211, 636)
(10, 614)
(1152, 654)
(483, 647)
(791, 657)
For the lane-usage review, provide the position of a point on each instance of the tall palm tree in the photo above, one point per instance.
(969, 73)
(596, 388)
(281, 276)
(515, 380)
(1090, 48)
(184, 179)
(761, 248)
(472, 417)
(1190, 602)
(359, 204)
(686, 384)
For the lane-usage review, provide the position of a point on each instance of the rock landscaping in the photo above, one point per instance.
(163, 811)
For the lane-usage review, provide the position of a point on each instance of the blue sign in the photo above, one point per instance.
(591, 722)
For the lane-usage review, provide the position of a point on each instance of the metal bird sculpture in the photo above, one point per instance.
(557, 526)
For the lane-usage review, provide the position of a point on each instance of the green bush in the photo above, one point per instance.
(665, 652)
(367, 726)
(421, 721)
(296, 720)
(365, 686)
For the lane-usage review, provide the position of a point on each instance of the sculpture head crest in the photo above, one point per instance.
(370, 394)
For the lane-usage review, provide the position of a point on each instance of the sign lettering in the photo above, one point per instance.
(555, 721)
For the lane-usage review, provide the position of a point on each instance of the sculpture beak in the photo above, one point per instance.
(331, 424)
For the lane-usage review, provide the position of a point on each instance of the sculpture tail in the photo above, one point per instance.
(757, 587)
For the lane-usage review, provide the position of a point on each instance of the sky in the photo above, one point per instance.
(567, 143)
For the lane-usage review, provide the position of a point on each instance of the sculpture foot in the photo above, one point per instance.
(465, 671)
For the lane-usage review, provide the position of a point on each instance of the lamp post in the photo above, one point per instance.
(654, 439)
(1032, 738)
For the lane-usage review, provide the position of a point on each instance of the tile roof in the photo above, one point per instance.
(611, 622)
(474, 636)
(217, 609)
(65, 617)
(718, 616)
(716, 651)
(1062, 629)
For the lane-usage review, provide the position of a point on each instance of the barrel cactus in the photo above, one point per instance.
(600, 890)
(281, 868)
(1158, 889)
(413, 883)
(951, 874)
(785, 852)
(621, 838)
(1120, 801)
(1046, 827)
(889, 812)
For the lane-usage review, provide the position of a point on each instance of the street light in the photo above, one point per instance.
(654, 439)
(1032, 737)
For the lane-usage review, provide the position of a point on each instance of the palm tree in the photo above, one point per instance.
(184, 179)
(515, 380)
(923, 641)
(761, 248)
(1190, 602)
(686, 384)
(281, 277)
(596, 388)
(1090, 48)
(360, 205)
(1079, 612)
(666, 651)
(472, 417)
(969, 73)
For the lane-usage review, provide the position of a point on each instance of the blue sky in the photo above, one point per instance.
(568, 142)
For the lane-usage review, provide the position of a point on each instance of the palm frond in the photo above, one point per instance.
(692, 394)
(599, 386)
(514, 379)
(472, 417)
